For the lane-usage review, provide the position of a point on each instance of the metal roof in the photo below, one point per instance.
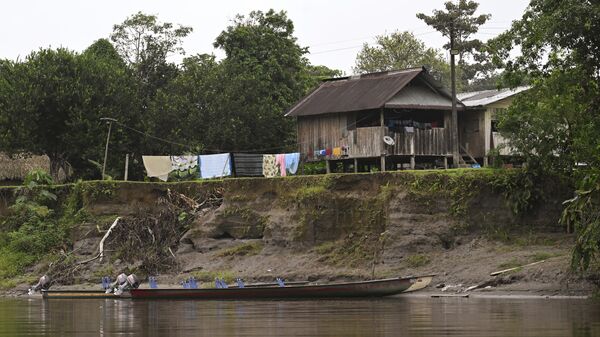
(485, 97)
(363, 92)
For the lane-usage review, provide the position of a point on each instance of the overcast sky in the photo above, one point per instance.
(334, 30)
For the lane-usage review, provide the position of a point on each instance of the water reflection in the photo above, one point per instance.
(379, 317)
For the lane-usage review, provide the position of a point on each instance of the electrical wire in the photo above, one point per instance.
(214, 150)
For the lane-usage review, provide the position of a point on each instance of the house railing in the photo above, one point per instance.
(368, 142)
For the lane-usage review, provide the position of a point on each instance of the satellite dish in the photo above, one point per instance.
(389, 140)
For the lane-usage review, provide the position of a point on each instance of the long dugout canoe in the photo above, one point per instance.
(83, 294)
(373, 288)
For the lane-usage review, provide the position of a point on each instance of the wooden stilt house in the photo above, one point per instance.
(388, 120)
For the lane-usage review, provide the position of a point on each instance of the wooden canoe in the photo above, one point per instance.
(373, 288)
(87, 293)
(83, 294)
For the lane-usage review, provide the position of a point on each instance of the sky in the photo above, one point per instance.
(334, 30)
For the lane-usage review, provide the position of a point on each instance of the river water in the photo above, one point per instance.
(395, 316)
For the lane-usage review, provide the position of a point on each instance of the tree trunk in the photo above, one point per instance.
(58, 163)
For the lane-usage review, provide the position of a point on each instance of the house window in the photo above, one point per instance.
(494, 125)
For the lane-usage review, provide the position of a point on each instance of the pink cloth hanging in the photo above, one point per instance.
(280, 160)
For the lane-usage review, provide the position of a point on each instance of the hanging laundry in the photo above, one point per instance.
(280, 161)
(322, 152)
(269, 166)
(214, 165)
(184, 163)
(247, 165)
(337, 152)
(328, 151)
(291, 162)
(158, 166)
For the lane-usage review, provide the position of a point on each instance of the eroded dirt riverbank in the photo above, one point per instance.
(460, 225)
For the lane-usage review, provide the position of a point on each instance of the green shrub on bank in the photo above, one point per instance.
(32, 229)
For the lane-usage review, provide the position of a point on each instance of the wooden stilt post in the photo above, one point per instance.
(382, 126)
(445, 162)
(355, 165)
(412, 162)
(327, 166)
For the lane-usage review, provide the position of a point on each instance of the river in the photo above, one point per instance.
(395, 316)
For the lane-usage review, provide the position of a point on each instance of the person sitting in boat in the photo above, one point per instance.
(43, 284)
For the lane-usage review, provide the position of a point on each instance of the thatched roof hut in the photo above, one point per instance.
(17, 167)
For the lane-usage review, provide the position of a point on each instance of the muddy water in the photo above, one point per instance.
(399, 316)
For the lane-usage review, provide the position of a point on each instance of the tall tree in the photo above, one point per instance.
(141, 38)
(182, 111)
(401, 50)
(145, 43)
(457, 23)
(263, 76)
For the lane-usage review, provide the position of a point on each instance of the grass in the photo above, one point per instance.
(245, 249)
(511, 264)
(417, 260)
(209, 276)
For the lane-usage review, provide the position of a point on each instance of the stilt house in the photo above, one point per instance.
(389, 120)
(478, 132)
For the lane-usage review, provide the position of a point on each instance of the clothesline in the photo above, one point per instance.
(222, 165)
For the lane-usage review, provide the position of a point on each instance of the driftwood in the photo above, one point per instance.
(101, 246)
(515, 268)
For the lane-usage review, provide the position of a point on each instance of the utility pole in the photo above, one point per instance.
(454, 130)
(109, 121)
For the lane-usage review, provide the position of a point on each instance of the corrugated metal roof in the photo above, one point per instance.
(485, 97)
(364, 92)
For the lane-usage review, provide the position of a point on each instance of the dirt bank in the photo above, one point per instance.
(460, 225)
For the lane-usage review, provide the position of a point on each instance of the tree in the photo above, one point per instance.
(262, 76)
(181, 111)
(145, 43)
(559, 44)
(143, 39)
(401, 50)
(55, 100)
(457, 23)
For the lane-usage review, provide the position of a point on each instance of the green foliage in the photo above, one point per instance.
(582, 215)
(401, 50)
(264, 68)
(458, 22)
(52, 102)
(37, 177)
(521, 189)
(31, 229)
(315, 168)
(141, 39)
(209, 276)
(245, 249)
(555, 125)
(513, 263)
(417, 260)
